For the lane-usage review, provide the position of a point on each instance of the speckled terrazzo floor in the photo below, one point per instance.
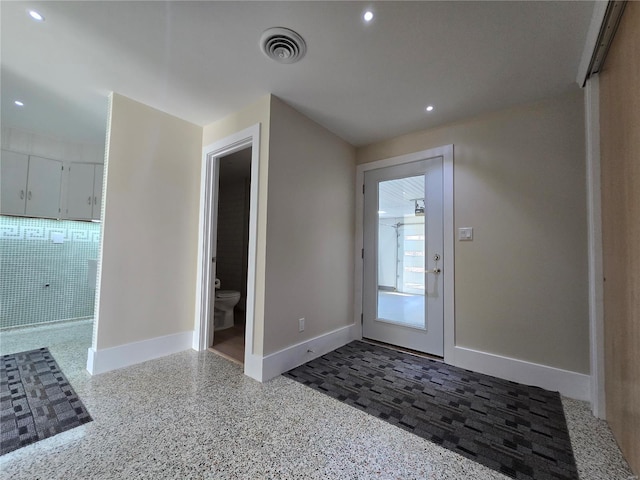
(194, 415)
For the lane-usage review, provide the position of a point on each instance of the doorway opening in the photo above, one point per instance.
(247, 139)
(403, 250)
(229, 295)
(405, 255)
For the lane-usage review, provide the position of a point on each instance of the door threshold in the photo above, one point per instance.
(403, 350)
(225, 356)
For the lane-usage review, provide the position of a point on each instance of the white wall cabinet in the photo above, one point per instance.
(97, 191)
(41, 187)
(30, 185)
(84, 191)
(13, 183)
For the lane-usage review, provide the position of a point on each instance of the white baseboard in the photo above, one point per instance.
(107, 359)
(279, 362)
(570, 384)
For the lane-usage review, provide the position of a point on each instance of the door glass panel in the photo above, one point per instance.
(401, 251)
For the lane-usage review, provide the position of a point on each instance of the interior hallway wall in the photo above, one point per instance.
(311, 230)
(150, 225)
(620, 170)
(521, 286)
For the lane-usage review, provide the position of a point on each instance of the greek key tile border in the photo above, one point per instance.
(18, 228)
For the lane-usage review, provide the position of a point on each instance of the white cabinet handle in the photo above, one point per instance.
(89, 201)
(29, 195)
(95, 200)
(21, 194)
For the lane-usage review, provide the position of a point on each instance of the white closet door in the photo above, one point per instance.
(13, 182)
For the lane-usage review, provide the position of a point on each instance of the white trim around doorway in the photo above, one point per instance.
(249, 137)
(446, 152)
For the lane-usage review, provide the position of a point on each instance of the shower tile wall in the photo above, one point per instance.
(30, 260)
(233, 236)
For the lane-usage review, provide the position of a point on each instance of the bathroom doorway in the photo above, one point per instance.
(229, 290)
(204, 332)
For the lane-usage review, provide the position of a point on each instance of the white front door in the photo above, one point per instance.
(403, 256)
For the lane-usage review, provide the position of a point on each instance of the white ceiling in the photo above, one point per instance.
(366, 82)
(396, 198)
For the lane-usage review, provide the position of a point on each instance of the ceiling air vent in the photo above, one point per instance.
(282, 45)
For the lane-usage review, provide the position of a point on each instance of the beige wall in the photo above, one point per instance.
(519, 181)
(304, 264)
(258, 112)
(620, 167)
(150, 228)
(310, 233)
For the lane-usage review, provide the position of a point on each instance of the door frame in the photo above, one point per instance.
(211, 154)
(594, 246)
(446, 152)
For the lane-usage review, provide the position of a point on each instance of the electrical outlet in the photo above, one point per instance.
(301, 324)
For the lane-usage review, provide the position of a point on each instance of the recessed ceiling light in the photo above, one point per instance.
(36, 16)
(368, 16)
(430, 108)
(381, 212)
(19, 103)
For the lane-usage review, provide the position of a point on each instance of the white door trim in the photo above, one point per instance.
(446, 152)
(249, 137)
(594, 245)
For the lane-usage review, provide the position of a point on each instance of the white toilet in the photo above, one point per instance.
(226, 300)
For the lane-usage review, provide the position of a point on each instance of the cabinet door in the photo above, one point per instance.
(80, 191)
(13, 182)
(43, 187)
(97, 191)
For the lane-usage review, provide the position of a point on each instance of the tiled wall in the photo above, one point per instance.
(233, 236)
(42, 281)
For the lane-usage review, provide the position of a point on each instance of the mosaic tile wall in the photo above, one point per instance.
(42, 281)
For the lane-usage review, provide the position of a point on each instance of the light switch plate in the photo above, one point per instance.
(465, 234)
